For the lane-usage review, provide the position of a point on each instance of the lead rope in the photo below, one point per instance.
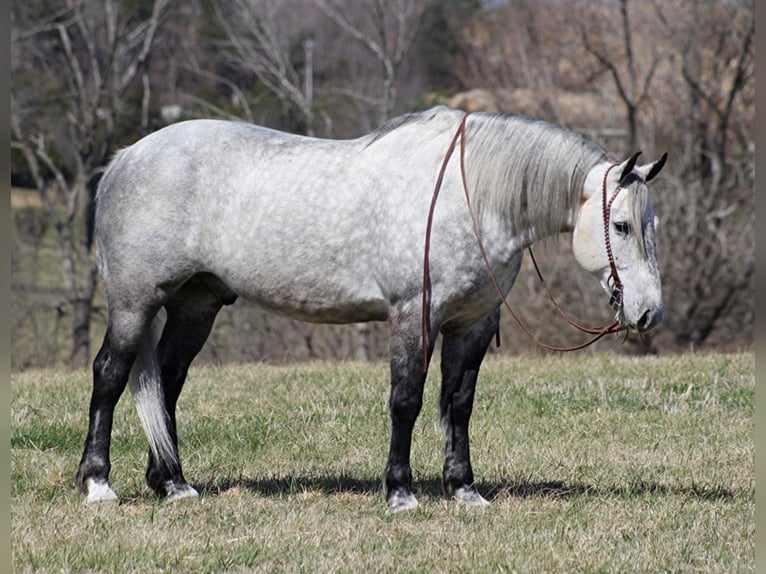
(427, 250)
(613, 327)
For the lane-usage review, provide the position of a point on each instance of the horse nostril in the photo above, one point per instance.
(649, 319)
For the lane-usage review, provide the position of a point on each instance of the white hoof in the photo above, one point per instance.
(179, 492)
(469, 496)
(98, 491)
(401, 501)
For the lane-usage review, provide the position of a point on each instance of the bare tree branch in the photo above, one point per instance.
(49, 23)
(89, 63)
(406, 14)
(135, 64)
(251, 30)
(626, 83)
(239, 96)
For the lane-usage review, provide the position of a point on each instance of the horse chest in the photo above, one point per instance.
(469, 292)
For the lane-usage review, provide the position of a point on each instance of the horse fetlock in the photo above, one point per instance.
(156, 479)
(92, 469)
(397, 488)
(168, 486)
(159, 475)
(396, 477)
(456, 476)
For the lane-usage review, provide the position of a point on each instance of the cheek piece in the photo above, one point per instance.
(613, 281)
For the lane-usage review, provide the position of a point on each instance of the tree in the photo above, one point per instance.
(672, 76)
(386, 30)
(709, 228)
(616, 54)
(73, 71)
(258, 35)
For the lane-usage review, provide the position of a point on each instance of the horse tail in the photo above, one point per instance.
(145, 383)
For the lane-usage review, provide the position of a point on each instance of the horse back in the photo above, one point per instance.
(298, 225)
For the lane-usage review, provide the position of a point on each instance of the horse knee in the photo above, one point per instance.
(405, 403)
(460, 403)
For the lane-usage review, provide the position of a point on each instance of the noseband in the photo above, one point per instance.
(614, 279)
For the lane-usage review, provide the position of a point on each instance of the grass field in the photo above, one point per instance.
(593, 464)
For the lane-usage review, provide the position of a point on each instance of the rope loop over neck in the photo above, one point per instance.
(613, 327)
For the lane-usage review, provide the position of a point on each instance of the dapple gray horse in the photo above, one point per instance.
(202, 212)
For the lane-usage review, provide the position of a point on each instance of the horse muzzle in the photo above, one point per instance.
(646, 321)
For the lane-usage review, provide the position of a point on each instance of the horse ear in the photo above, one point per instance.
(627, 167)
(654, 168)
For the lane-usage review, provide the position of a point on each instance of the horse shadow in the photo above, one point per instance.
(431, 488)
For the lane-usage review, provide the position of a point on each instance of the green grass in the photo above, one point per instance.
(593, 464)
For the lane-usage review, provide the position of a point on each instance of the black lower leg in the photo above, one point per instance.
(407, 379)
(190, 317)
(456, 412)
(405, 404)
(110, 376)
(462, 354)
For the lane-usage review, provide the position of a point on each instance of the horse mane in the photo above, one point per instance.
(533, 172)
(403, 120)
(528, 170)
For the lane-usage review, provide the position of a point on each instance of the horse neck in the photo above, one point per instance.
(528, 173)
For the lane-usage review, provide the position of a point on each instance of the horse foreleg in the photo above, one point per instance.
(111, 369)
(463, 350)
(406, 400)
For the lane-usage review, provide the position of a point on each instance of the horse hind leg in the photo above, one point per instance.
(191, 313)
(111, 370)
(463, 351)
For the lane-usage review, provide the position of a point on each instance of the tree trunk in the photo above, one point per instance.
(632, 127)
(84, 286)
(362, 351)
(81, 314)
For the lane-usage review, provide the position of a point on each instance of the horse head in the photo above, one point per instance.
(614, 239)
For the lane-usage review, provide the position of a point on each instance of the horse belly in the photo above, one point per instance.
(313, 299)
(303, 277)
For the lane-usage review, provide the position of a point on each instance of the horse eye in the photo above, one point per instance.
(622, 227)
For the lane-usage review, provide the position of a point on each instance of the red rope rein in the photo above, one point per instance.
(613, 327)
(424, 310)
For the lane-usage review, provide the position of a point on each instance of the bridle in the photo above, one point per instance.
(614, 281)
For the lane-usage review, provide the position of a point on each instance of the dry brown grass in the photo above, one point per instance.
(593, 464)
